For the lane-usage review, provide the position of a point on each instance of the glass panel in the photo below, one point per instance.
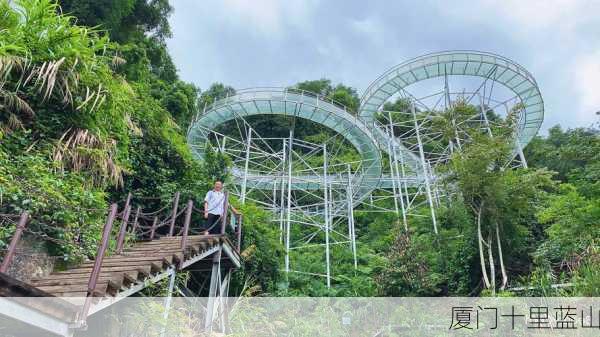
(472, 68)
(389, 88)
(458, 68)
(407, 78)
(278, 107)
(523, 88)
(250, 107)
(507, 75)
(536, 99)
(432, 70)
(420, 73)
(515, 81)
(263, 106)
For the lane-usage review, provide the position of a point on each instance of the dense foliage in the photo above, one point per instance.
(91, 108)
(533, 228)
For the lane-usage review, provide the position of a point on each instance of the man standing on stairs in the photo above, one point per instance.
(213, 208)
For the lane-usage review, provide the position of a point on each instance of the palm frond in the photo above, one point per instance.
(81, 150)
(12, 103)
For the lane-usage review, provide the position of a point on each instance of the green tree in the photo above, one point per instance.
(123, 19)
(214, 93)
(344, 95)
(502, 201)
(574, 154)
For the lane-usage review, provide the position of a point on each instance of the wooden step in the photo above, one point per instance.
(100, 288)
(77, 295)
(175, 240)
(79, 279)
(115, 281)
(145, 251)
(118, 260)
(171, 243)
(124, 264)
(129, 274)
(205, 237)
(144, 270)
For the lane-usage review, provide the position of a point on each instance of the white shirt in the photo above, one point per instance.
(215, 202)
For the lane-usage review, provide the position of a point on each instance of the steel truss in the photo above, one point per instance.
(313, 195)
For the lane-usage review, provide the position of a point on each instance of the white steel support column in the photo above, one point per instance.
(289, 202)
(404, 207)
(246, 163)
(425, 171)
(392, 170)
(484, 115)
(274, 196)
(436, 193)
(350, 193)
(223, 307)
(168, 300)
(326, 215)
(396, 174)
(215, 280)
(169, 297)
(403, 172)
(282, 194)
(448, 107)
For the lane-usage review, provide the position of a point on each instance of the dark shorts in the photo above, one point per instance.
(213, 224)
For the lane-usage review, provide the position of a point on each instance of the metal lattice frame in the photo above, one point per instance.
(398, 150)
(490, 67)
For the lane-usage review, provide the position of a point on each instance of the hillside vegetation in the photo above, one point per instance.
(91, 108)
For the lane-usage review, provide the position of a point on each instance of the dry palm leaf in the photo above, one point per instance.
(81, 150)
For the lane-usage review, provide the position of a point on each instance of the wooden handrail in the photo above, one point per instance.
(153, 230)
(95, 274)
(174, 214)
(224, 215)
(14, 241)
(123, 229)
(135, 222)
(186, 224)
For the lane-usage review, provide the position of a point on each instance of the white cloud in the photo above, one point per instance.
(540, 13)
(269, 17)
(371, 29)
(587, 80)
(367, 25)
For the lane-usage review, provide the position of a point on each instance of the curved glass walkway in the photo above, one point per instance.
(363, 131)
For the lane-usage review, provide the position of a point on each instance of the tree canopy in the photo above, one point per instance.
(92, 108)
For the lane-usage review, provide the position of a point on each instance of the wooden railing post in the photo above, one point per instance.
(95, 274)
(123, 229)
(186, 224)
(127, 202)
(135, 222)
(225, 211)
(153, 230)
(174, 214)
(14, 241)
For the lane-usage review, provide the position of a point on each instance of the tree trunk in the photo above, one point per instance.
(502, 269)
(492, 268)
(486, 281)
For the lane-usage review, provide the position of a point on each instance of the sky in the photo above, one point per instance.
(270, 43)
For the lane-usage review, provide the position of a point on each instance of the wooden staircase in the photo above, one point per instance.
(163, 244)
(132, 267)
